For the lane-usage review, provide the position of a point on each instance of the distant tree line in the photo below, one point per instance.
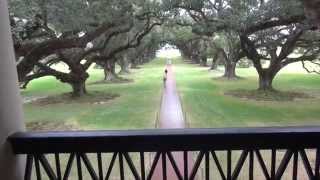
(274, 31)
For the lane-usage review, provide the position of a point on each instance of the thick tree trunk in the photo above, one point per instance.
(195, 59)
(185, 56)
(215, 60)
(204, 61)
(77, 79)
(124, 70)
(134, 64)
(265, 80)
(214, 64)
(78, 88)
(124, 65)
(110, 71)
(230, 70)
(109, 75)
(185, 53)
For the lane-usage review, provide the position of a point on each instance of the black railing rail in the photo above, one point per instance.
(294, 142)
(166, 140)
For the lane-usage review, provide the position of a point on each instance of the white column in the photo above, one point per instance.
(11, 116)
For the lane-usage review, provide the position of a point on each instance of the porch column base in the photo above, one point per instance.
(11, 116)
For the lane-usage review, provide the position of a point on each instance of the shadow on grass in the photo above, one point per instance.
(114, 81)
(93, 97)
(223, 78)
(274, 95)
(53, 126)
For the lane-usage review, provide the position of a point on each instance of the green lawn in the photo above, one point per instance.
(136, 108)
(206, 105)
(202, 97)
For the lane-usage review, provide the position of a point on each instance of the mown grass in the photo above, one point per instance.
(202, 92)
(206, 105)
(203, 98)
(135, 108)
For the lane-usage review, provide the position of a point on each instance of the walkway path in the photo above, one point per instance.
(171, 117)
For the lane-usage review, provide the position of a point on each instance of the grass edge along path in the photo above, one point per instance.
(207, 106)
(135, 108)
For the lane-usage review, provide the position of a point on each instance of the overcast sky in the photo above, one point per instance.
(168, 52)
